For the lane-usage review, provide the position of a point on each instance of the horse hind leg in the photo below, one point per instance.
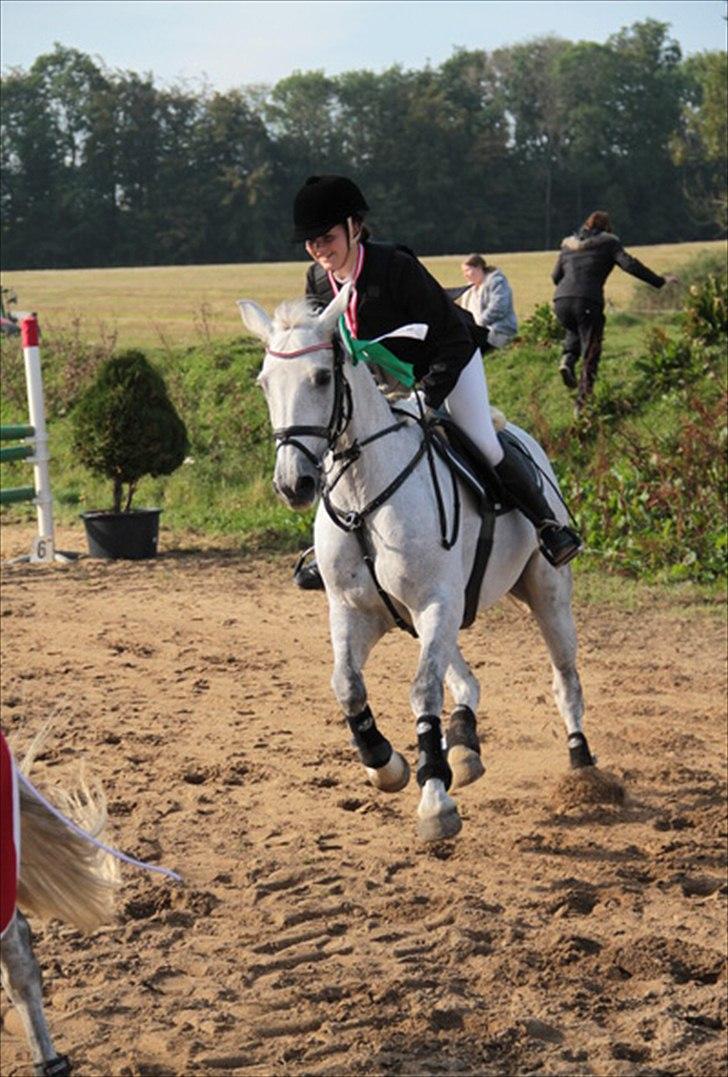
(547, 591)
(437, 628)
(22, 981)
(463, 745)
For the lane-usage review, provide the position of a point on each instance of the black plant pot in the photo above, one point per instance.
(130, 536)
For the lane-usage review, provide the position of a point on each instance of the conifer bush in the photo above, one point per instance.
(125, 426)
(542, 328)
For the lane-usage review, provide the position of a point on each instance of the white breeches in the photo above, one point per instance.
(469, 406)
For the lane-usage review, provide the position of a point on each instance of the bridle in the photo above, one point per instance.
(340, 410)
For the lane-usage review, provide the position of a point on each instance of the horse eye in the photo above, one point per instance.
(322, 377)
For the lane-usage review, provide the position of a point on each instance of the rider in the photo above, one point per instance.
(391, 288)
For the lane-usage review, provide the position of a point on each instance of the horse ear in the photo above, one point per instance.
(328, 318)
(255, 318)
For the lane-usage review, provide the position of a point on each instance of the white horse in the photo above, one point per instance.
(337, 436)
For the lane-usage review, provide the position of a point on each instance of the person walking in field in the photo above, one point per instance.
(585, 261)
(390, 288)
(489, 301)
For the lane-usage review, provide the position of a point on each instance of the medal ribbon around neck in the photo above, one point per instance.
(352, 320)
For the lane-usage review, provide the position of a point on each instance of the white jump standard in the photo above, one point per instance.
(34, 451)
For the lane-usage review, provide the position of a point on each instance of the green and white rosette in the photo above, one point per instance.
(374, 351)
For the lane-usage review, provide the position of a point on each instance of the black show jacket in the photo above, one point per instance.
(395, 289)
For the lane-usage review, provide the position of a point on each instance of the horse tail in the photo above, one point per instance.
(62, 875)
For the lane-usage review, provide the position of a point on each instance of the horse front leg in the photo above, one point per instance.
(437, 628)
(22, 982)
(353, 634)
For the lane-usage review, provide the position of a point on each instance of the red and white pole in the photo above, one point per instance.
(43, 547)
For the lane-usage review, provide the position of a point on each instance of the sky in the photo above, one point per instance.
(229, 43)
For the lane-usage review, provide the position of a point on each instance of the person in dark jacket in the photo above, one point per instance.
(585, 261)
(390, 289)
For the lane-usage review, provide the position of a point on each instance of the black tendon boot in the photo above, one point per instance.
(374, 749)
(519, 477)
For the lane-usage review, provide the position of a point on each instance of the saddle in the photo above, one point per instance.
(465, 458)
(467, 463)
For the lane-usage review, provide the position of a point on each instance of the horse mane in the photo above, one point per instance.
(293, 313)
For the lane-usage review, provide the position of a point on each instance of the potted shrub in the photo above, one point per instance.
(124, 427)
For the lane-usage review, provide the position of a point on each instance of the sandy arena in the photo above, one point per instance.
(315, 935)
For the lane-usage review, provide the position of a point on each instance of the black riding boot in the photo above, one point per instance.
(519, 477)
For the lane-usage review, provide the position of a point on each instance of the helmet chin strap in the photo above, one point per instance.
(352, 257)
(350, 230)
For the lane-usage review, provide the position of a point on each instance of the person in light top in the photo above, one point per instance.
(489, 300)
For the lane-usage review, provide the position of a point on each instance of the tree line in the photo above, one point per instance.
(492, 151)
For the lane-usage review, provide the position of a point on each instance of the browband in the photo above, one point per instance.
(301, 351)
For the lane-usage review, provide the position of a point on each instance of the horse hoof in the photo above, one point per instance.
(393, 776)
(465, 764)
(436, 827)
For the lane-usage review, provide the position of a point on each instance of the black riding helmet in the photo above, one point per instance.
(322, 202)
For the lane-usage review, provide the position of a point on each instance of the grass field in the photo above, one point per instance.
(644, 474)
(172, 305)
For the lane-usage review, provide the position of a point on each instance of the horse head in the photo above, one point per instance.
(303, 386)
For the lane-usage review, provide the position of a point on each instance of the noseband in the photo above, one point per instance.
(340, 411)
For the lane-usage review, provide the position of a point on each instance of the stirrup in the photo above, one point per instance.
(307, 577)
(558, 543)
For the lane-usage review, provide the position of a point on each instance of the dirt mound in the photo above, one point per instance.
(314, 934)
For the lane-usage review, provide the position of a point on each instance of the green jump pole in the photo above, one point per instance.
(12, 433)
(16, 452)
(17, 493)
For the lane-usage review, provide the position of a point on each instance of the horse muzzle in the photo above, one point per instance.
(301, 494)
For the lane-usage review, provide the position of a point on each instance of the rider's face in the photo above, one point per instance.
(333, 251)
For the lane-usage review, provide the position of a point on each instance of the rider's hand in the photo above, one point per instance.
(670, 278)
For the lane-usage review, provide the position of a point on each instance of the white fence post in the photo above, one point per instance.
(43, 548)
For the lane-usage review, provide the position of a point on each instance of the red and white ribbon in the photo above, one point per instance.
(350, 314)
